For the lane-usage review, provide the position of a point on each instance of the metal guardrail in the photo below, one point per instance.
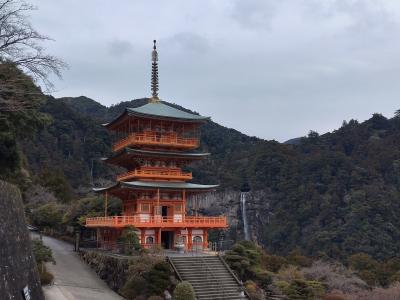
(234, 276)
(174, 268)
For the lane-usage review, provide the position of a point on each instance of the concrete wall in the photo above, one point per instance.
(17, 264)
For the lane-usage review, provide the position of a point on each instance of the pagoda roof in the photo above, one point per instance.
(158, 184)
(146, 153)
(160, 110)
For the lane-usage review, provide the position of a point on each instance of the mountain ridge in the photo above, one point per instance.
(335, 193)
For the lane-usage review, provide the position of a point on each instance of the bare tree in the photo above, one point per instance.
(20, 43)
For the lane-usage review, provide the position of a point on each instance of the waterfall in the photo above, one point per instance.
(243, 196)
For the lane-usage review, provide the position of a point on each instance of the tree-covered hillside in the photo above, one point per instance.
(337, 193)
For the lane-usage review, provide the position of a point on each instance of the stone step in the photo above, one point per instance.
(210, 277)
(201, 271)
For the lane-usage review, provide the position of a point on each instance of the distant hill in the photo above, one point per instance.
(295, 141)
(338, 193)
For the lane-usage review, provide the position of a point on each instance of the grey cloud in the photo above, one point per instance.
(275, 69)
(187, 41)
(254, 13)
(119, 48)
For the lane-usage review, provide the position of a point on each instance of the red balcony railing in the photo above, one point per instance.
(157, 221)
(150, 138)
(156, 173)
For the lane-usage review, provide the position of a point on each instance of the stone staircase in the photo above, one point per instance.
(210, 277)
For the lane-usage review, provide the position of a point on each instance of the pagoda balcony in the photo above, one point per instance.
(150, 138)
(157, 221)
(156, 174)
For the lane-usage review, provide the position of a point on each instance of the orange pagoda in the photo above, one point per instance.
(155, 141)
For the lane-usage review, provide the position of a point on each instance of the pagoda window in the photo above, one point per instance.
(149, 240)
(178, 208)
(145, 208)
(197, 239)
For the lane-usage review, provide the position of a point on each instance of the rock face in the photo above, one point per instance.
(17, 265)
(228, 203)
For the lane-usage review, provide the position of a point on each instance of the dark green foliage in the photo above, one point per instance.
(296, 258)
(42, 254)
(56, 182)
(49, 215)
(274, 262)
(45, 276)
(72, 144)
(159, 278)
(183, 291)
(245, 258)
(147, 276)
(373, 272)
(299, 290)
(129, 241)
(19, 117)
(79, 210)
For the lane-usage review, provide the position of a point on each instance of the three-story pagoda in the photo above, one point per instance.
(155, 142)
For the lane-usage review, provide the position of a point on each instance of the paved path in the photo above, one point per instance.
(73, 279)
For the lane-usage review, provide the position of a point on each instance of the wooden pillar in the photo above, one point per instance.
(142, 236)
(106, 204)
(97, 237)
(184, 205)
(190, 239)
(205, 238)
(159, 236)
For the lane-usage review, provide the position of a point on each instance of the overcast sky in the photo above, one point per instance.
(273, 69)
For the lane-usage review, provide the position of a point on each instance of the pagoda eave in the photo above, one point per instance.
(127, 153)
(159, 111)
(151, 185)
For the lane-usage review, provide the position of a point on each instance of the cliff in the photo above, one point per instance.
(228, 202)
(18, 269)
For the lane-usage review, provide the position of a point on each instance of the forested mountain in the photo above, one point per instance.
(337, 193)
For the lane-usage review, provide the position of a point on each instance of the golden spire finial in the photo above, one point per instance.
(154, 74)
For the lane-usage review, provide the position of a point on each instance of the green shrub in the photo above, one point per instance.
(159, 278)
(298, 289)
(147, 276)
(274, 263)
(49, 215)
(45, 276)
(42, 254)
(129, 241)
(264, 278)
(184, 291)
(297, 259)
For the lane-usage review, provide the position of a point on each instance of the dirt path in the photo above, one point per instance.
(73, 279)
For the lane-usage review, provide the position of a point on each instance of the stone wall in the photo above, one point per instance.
(112, 269)
(17, 264)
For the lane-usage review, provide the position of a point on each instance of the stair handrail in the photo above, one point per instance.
(234, 276)
(175, 269)
(216, 280)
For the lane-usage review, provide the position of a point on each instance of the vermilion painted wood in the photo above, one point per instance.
(150, 138)
(156, 173)
(157, 221)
